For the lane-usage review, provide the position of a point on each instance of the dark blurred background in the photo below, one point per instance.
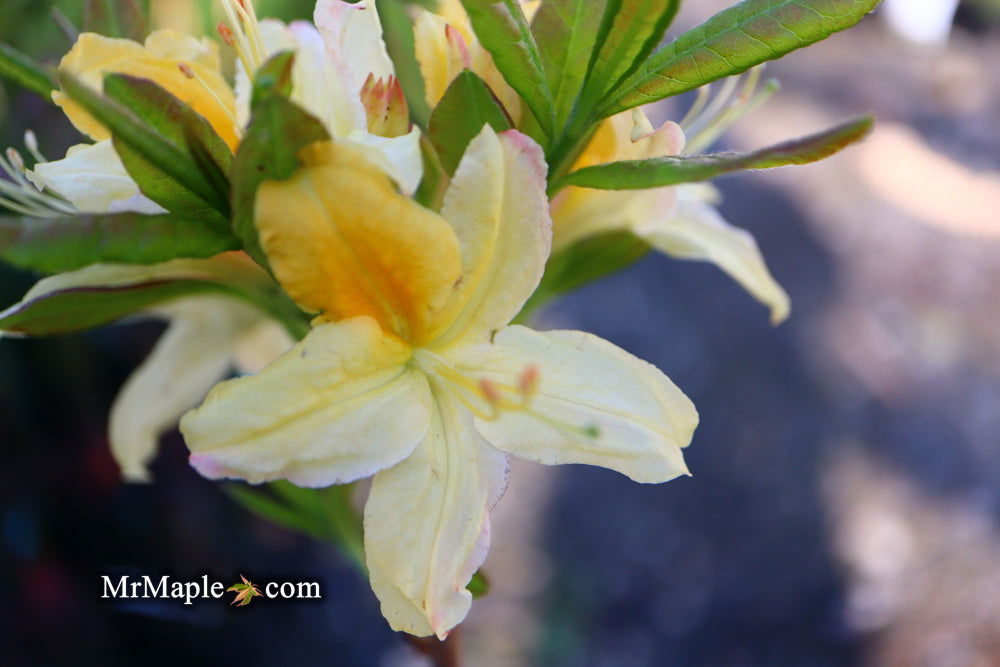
(846, 494)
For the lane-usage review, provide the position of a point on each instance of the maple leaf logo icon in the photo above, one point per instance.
(245, 592)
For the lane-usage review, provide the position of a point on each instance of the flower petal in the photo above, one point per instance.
(193, 355)
(399, 157)
(353, 35)
(594, 403)
(499, 210)
(339, 406)
(94, 180)
(93, 56)
(322, 85)
(354, 246)
(427, 524)
(699, 232)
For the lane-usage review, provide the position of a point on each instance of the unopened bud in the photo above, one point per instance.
(386, 107)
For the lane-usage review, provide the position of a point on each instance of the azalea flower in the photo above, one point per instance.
(413, 373)
(680, 221)
(335, 58)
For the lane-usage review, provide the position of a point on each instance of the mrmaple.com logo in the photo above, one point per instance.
(244, 591)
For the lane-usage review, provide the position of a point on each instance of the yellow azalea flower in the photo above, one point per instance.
(334, 59)
(93, 56)
(206, 339)
(446, 45)
(680, 221)
(413, 373)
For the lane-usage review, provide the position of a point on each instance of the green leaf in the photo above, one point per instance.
(269, 152)
(25, 72)
(733, 41)
(503, 30)
(630, 30)
(583, 262)
(566, 32)
(466, 107)
(189, 133)
(81, 308)
(56, 245)
(265, 506)
(274, 78)
(659, 172)
(115, 18)
(399, 41)
(479, 586)
(128, 130)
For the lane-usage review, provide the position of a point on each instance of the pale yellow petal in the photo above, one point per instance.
(353, 35)
(193, 355)
(91, 177)
(93, 56)
(341, 405)
(593, 403)
(399, 157)
(427, 524)
(343, 242)
(442, 53)
(499, 210)
(698, 232)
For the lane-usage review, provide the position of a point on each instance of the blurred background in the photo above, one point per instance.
(845, 504)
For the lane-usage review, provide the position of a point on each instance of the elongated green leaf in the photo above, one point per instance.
(130, 131)
(503, 30)
(269, 151)
(658, 172)
(54, 245)
(733, 41)
(566, 32)
(466, 107)
(583, 262)
(81, 308)
(399, 41)
(25, 72)
(263, 505)
(115, 18)
(630, 30)
(189, 133)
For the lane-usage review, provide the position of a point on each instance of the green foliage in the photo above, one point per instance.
(81, 308)
(189, 134)
(144, 140)
(583, 262)
(630, 30)
(663, 171)
(325, 514)
(269, 151)
(466, 107)
(115, 18)
(566, 31)
(399, 41)
(504, 31)
(55, 245)
(733, 41)
(25, 72)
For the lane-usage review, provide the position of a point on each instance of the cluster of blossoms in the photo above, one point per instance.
(408, 367)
